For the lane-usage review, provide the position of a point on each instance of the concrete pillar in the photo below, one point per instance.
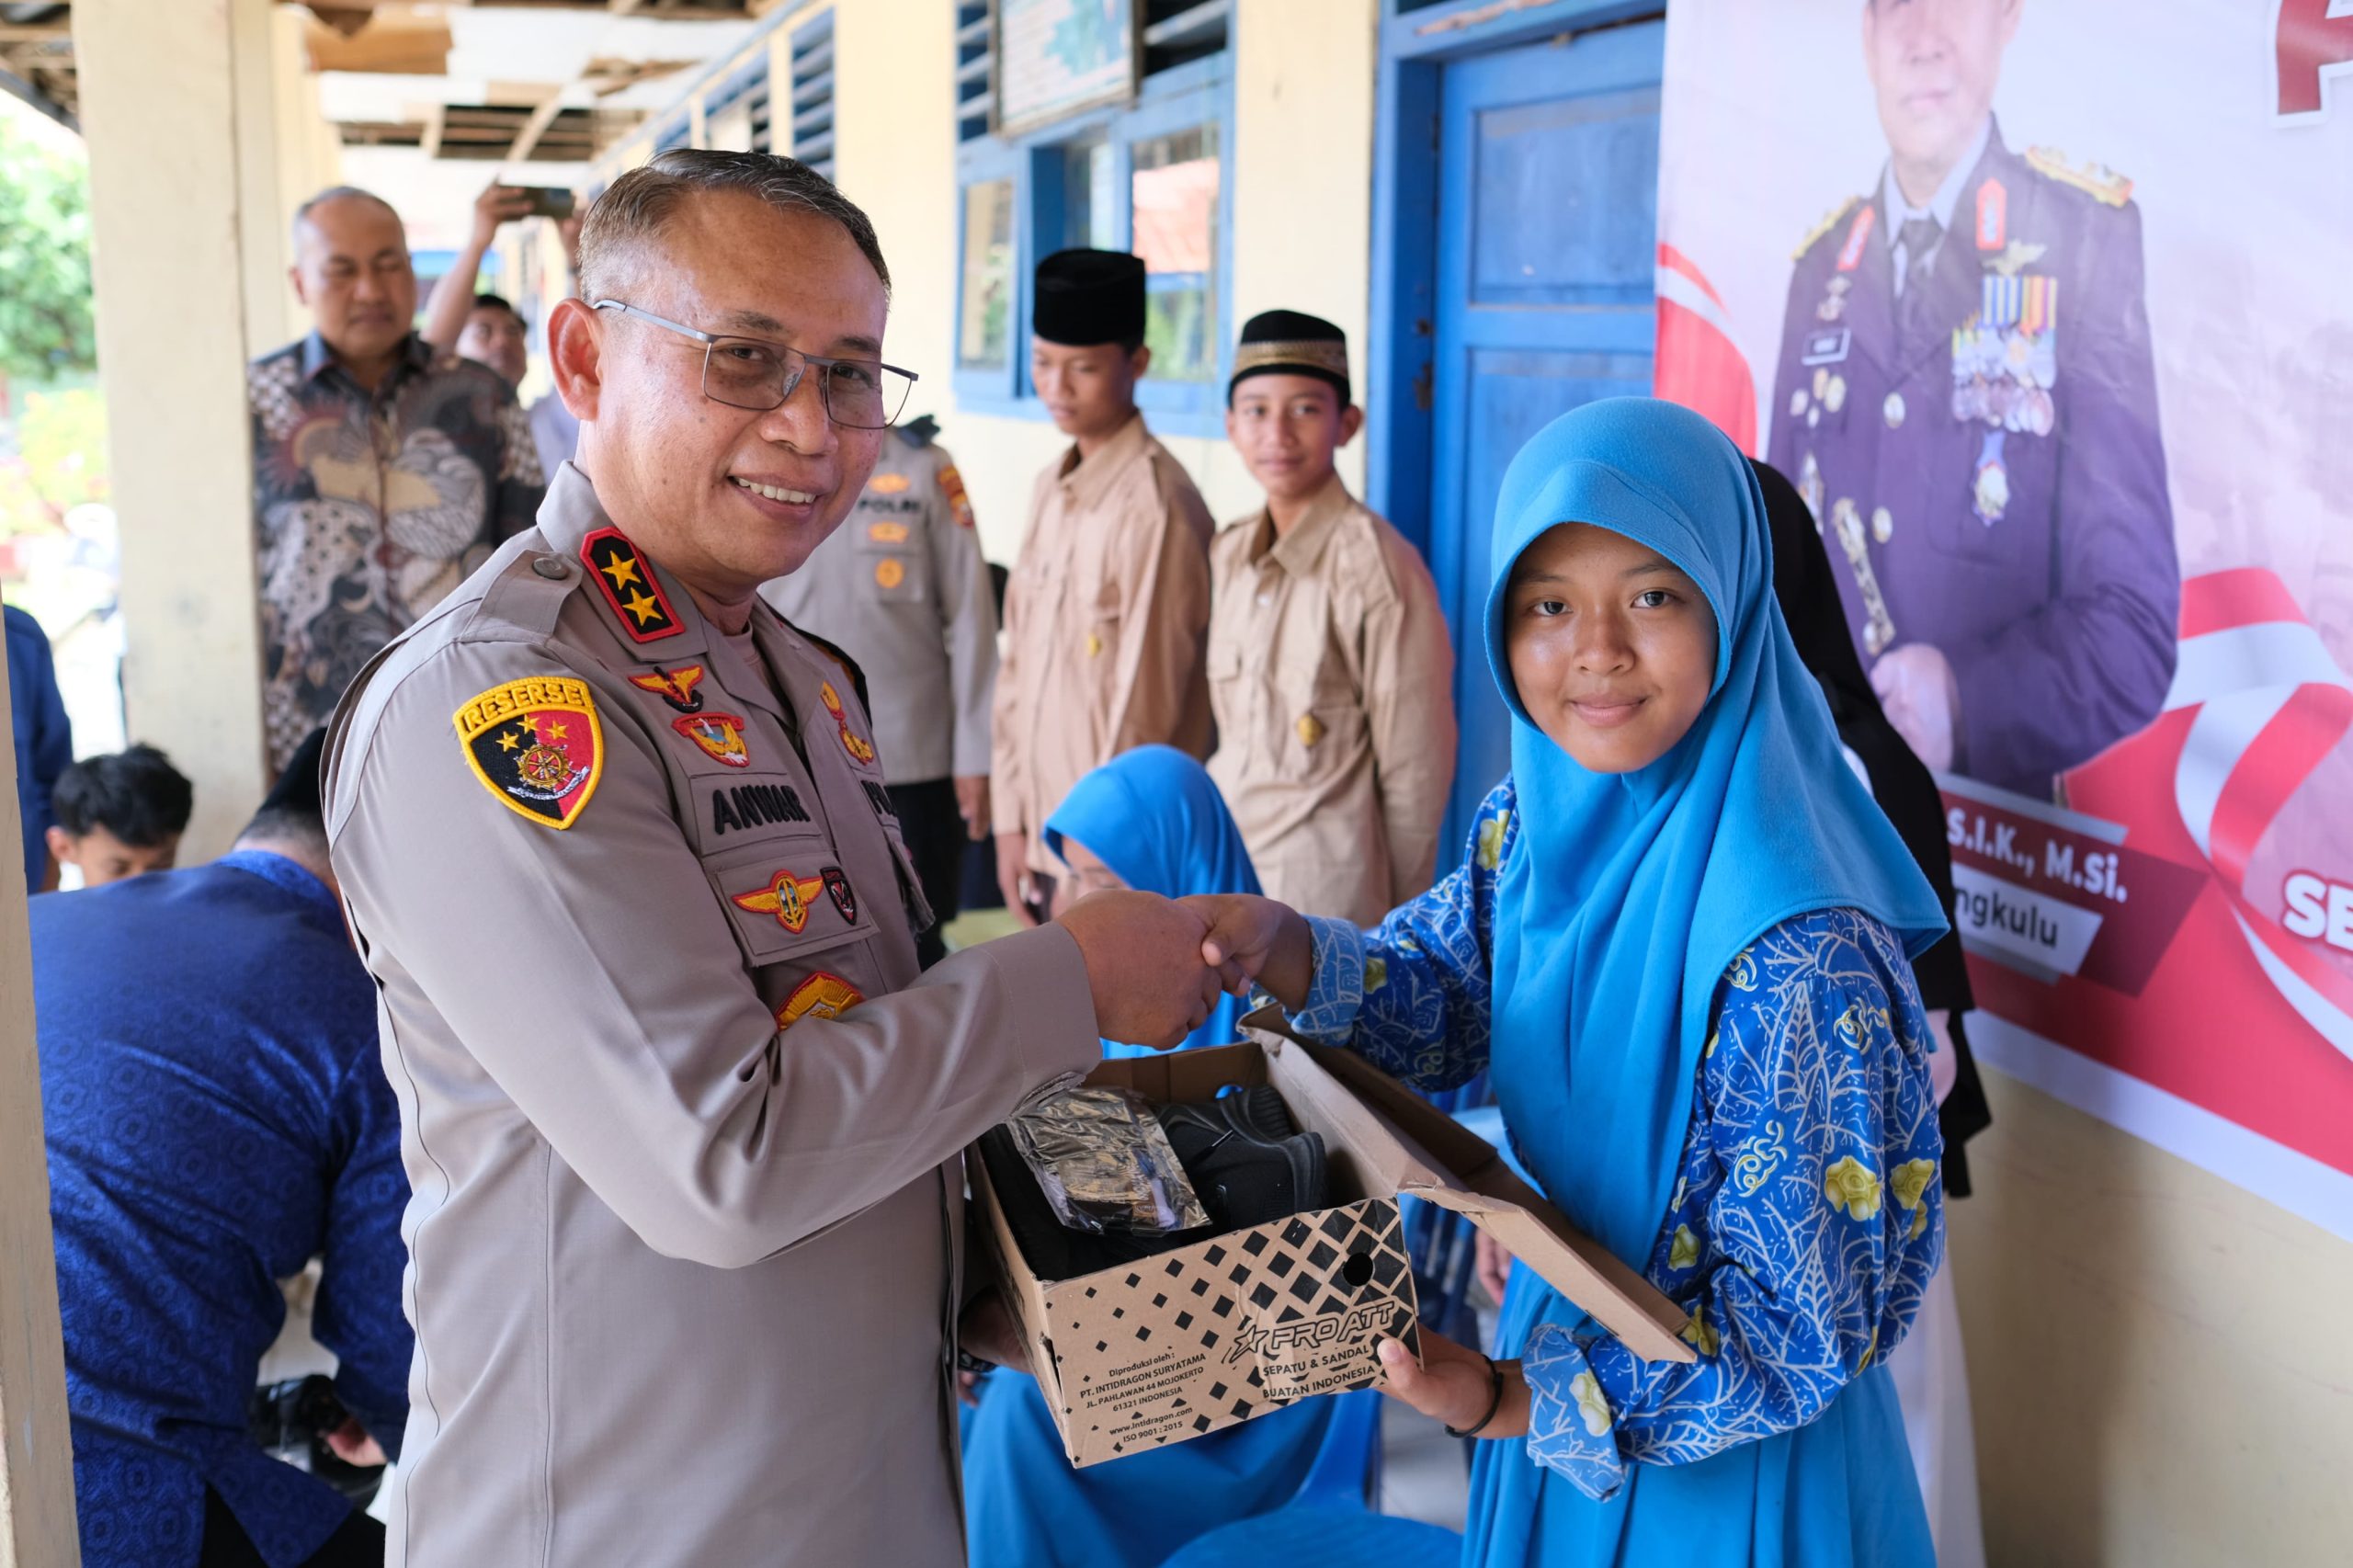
(176, 109)
(36, 1460)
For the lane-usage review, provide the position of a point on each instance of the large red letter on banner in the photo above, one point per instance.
(2307, 39)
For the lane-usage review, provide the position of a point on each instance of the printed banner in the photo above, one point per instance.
(2057, 358)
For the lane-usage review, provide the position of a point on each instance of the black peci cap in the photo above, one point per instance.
(1087, 297)
(298, 787)
(1291, 343)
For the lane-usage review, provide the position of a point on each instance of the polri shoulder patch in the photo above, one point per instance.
(629, 586)
(959, 504)
(537, 745)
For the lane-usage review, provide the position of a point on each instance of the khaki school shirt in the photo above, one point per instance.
(1106, 613)
(1332, 675)
(681, 1121)
(902, 588)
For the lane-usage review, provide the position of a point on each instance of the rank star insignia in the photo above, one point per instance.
(720, 735)
(837, 888)
(785, 897)
(537, 745)
(629, 586)
(674, 687)
(822, 996)
(859, 750)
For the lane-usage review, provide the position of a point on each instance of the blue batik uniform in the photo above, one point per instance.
(216, 1115)
(43, 735)
(1155, 817)
(1690, 984)
(1805, 1223)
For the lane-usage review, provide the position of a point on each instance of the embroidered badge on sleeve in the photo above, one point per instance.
(536, 744)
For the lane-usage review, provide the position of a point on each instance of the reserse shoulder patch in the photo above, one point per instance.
(536, 744)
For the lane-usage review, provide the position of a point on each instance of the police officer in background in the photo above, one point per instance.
(683, 1123)
(904, 589)
(1967, 403)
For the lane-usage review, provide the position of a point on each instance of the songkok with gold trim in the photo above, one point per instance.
(1290, 343)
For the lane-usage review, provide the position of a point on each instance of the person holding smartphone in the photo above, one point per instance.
(488, 328)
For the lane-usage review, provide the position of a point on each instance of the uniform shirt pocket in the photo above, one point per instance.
(788, 898)
(892, 561)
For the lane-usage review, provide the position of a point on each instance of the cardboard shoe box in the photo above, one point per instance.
(1215, 1332)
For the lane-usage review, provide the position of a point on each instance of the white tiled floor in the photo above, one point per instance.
(1425, 1474)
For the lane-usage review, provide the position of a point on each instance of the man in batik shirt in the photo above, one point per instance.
(383, 472)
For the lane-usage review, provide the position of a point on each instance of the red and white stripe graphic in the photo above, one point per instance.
(2271, 706)
(1698, 363)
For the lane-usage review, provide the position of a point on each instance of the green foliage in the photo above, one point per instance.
(45, 325)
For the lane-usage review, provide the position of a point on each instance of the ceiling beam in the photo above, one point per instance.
(623, 7)
(534, 128)
(17, 87)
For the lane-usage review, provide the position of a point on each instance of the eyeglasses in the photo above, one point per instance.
(749, 373)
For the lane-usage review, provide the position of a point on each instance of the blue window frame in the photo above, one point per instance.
(1083, 182)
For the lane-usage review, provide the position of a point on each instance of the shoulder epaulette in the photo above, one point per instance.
(2097, 180)
(1830, 221)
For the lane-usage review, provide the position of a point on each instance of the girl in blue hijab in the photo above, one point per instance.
(1682, 946)
(1150, 819)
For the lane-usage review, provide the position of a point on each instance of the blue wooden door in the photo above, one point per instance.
(1548, 212)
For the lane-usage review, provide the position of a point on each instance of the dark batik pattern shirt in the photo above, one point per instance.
(369, 507)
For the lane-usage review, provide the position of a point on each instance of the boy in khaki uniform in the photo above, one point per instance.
(1109, 604)
(1331, 671)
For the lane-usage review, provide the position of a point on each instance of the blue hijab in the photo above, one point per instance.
(1630, 893)
(1155, 818)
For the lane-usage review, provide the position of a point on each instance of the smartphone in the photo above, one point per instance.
(549, 201)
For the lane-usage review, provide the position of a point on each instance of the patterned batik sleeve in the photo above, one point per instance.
(1803, 1229)
(1413, 995)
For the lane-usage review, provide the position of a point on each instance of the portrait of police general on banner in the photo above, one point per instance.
(2044, 315)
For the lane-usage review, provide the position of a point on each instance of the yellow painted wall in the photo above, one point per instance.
(2159, 1360)
(160, 106)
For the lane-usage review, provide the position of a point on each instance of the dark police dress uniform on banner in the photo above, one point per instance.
(1980, 443)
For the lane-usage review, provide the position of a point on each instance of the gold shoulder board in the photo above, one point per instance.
(2102, 183)
(1830, 221)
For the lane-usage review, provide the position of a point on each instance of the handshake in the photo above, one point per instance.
(1158, 967)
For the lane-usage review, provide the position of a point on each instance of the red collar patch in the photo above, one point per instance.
(786, 897)
(629, 586)
(1850, 255)
(674, 687)
(720, 735)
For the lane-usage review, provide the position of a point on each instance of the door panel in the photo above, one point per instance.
(1547, 207)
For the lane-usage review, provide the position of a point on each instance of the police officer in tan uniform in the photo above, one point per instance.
(1331, 671)
(681, 1121)
(903, 588)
